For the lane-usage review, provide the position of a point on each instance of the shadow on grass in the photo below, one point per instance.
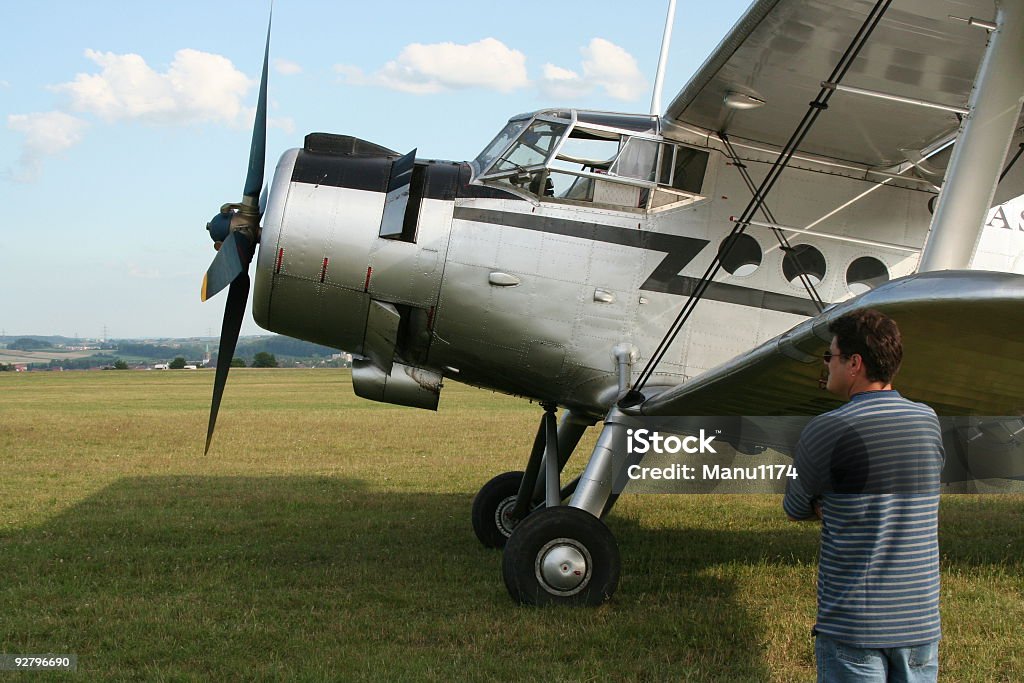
(324, 578)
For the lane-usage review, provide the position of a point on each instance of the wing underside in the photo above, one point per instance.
(781, 51)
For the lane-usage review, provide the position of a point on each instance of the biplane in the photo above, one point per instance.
(827, 156)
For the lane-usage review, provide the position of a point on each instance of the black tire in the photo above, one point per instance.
(561, 556)
(493, 502)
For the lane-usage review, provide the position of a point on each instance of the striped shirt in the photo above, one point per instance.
(874, 466)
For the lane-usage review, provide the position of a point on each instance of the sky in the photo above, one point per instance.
(125, 126)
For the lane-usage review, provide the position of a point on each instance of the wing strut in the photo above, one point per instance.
(818, 105)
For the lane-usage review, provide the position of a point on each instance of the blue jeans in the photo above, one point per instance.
(839, 663)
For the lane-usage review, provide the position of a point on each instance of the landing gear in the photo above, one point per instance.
(492, 509)
(561, 556)
(555, 554)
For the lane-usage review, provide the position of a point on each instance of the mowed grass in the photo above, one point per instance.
(328, 538)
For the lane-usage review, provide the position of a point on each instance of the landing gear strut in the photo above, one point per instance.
(508, 498)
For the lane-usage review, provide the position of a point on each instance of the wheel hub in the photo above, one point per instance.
(503, 516)
(563, 566)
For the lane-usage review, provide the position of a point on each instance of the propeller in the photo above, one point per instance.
(235, 231)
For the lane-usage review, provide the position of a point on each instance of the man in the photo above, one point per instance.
(870, 471)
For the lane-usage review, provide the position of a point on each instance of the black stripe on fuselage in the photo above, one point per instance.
(679, 251)
(447, 180)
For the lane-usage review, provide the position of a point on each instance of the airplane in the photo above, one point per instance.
(828, 156)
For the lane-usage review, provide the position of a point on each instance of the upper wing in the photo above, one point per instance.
(963, 341)
(782, 50)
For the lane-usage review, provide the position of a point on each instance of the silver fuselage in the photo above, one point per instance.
(533, 298)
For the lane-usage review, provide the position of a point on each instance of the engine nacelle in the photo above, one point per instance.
(352, 253)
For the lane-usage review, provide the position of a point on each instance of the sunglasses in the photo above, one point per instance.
(828, 356)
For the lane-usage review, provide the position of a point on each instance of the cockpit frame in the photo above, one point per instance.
(529, 154)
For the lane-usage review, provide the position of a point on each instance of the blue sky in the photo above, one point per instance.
(125, 126)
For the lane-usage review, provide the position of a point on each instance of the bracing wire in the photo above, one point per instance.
(814, 109)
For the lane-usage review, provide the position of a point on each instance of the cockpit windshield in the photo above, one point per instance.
(615, 160)
(532, 148)
(498, 145)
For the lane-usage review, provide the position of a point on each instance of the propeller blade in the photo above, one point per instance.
(230, 267)
(234, 311)
(231, 261)
(258, 149)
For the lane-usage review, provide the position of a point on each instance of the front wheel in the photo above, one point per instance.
(561, 556)
(492, 509)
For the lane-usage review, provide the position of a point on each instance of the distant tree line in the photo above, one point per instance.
(29, 344)
(97, 361)
(277, 345)
(283, 346)
(160, 351)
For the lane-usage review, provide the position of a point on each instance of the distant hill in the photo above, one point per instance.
(282, 346)
(54, 340)
(29, 344)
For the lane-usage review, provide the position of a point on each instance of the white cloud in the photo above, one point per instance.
(46, 134)
(198, 87)
(5, 84)
(559, 83)
(426, 69)
(287, 67)
(614, 69)
(605, 66)
(284, 123)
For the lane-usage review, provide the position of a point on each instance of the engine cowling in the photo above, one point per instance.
(353, 246)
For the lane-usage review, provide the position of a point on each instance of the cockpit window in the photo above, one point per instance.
(637, 159)
(688, 168)
(615, 161)
(532, 148)
(499, 143)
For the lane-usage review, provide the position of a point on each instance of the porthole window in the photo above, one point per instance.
(803, 258)
(866, 273)
(740, 254)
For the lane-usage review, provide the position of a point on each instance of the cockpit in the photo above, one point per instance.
(617, 161)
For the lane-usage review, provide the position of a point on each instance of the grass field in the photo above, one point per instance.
(328, 538)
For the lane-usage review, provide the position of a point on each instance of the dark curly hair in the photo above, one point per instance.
(875, 338)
